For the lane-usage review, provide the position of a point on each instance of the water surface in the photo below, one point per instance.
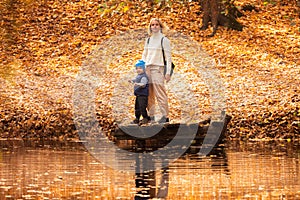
(237, 170)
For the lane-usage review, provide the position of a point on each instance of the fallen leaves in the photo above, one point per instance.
(48, 42)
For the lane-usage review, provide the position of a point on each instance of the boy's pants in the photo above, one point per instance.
(157, 90)
(141, 103)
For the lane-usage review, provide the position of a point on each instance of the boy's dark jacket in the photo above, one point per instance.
(138, 90)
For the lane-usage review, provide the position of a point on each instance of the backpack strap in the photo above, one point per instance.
(163, 51)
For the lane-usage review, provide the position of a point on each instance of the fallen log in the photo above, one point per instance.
(155, 136)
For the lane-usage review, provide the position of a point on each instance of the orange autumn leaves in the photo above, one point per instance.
(48, 40)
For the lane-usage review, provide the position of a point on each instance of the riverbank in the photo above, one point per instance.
(48, 42)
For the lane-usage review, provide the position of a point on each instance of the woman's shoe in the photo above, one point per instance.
(151, 119)
(163, 120)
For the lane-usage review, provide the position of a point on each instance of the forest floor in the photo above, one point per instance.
(44, 44)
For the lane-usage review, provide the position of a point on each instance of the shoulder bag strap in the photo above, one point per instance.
(163, 51)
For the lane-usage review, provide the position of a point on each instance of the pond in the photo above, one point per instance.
(234, 170)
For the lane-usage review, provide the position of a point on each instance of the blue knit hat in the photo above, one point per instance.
(141, 64)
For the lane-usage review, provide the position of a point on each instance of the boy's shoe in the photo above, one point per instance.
(163, 120)
(135, 121)
(144, 121)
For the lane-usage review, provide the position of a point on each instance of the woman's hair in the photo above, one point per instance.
(162, 26)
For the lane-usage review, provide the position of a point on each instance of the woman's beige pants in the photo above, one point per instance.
(157, 90)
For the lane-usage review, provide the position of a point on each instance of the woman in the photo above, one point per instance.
(153, 57)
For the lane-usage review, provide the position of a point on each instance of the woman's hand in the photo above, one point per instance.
(167, 77)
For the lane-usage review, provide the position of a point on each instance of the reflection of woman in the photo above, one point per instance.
(153, 57)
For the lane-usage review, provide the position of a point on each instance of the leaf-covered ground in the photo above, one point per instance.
(44, 43)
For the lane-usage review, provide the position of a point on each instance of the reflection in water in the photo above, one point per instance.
(236, 171)
(146, 183)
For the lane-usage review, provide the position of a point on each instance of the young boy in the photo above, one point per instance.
(141, 91)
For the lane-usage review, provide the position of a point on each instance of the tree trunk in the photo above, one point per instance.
(222, 13)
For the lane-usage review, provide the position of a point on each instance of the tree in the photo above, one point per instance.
(220, 12)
